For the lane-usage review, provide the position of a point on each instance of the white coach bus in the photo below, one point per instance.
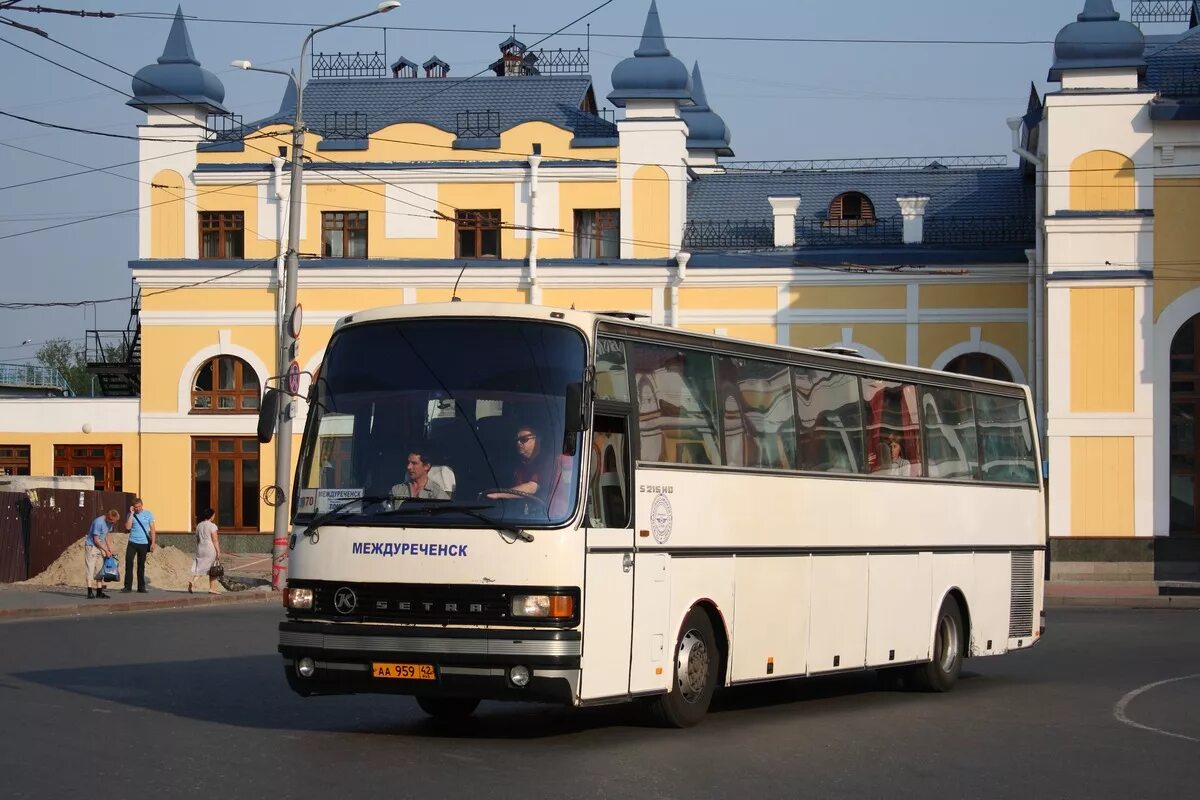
(608, 510)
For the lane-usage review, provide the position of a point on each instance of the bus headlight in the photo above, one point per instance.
(552, 606)
(299, 598)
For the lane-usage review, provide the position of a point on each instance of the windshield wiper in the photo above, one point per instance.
(336, 512)
(431, 507)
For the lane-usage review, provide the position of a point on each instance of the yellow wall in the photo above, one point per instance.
(585, 299)
(41, 450)
(1102, 334)
(894, 296)
(166, 214)
(166, 350)
(1102, 486)
(888, 340)
(763, 333)
(651, 209)
(933, 339)
(1102, 180)
(1176, 239)
(728, 297)
(481, 294)
(974, 295)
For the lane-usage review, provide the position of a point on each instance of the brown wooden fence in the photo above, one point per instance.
(38, 526)
(14, 516)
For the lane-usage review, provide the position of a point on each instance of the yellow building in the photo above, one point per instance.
(1067, 272)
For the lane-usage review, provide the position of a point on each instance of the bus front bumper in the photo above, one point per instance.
(472, 662)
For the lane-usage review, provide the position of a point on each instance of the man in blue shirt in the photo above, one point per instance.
(142, 537)
(97, 545)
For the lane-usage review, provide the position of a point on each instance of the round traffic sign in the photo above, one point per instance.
(296, 320)
(293, 377)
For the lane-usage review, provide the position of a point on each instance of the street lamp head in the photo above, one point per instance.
(240, 64)
(387, 6)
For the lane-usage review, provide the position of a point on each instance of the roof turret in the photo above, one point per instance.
(177, 78)
(652, 73)
(706, 129)
(1098, 39)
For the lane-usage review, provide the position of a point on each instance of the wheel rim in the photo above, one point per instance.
(692, 664)
(948, 643)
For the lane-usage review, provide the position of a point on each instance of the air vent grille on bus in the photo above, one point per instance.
(1020, 615)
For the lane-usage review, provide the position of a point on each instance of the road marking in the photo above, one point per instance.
(1119, 708)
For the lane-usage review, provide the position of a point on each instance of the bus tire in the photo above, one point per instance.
(448, 709)
(694, 669)
(941, 672)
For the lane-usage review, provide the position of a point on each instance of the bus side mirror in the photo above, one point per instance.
(577, 402)
(268, 412)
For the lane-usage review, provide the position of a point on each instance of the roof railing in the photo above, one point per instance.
(344, 125)
(349, 65)
(33, 376)
(224, 128)
(948, 231)
(478, 125)
(884, 163)
(1151, 11)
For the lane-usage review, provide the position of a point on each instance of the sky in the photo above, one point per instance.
(781, 99)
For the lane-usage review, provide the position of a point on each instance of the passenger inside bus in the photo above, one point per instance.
(418, 483)
(893, 457)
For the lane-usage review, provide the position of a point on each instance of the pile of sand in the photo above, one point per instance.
(166, 568)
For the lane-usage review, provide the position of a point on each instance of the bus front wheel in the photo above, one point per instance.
(448, 708)
(941, 673)
(695, 665)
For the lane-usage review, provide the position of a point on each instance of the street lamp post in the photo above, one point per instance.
(287, 332)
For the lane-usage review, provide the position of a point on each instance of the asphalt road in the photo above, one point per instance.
(179, 703)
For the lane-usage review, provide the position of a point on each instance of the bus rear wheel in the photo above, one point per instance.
(941, 673)
(695, 665)
(448, 709)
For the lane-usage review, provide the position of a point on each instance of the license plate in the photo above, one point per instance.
(407, 672)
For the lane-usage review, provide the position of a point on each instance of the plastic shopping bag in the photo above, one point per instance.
(110, 571)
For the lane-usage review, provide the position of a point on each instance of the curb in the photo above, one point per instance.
(94, 608)
(1095, 601)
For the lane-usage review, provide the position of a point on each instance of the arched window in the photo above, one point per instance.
(225, 385)
(979, 365)
(1185, 444)
(851, 208)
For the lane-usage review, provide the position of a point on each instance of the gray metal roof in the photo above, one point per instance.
(651, 73)
(177, 76)
(1173, 67)
(438, 101)
(951, 192)
(1098, 39)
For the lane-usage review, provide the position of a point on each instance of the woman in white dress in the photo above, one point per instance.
(208, 549)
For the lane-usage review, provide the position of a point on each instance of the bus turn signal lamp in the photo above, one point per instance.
(298, 598)
(553, 606)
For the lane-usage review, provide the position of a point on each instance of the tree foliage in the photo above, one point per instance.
(62, 356)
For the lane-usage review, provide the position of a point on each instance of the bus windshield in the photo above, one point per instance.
(446, 422)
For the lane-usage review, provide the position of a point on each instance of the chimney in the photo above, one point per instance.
(912, 209)
(403, 68)
(435, 68)
(784, 210)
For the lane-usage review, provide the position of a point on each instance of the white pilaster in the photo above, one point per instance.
(783, 209)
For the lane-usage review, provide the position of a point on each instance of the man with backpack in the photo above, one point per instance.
(143, 536)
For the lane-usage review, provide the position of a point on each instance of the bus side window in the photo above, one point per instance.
(608, 485)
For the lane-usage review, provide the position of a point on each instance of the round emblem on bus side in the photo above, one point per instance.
(661, 519)
(344, 600)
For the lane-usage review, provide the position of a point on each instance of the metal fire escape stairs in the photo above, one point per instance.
(114, 357)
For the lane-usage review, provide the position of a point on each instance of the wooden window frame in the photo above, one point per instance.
(220, 223)
(15, 459)
(477, 220)
(239, 455)
(68, 462)
(345, 222)
(606, 219)
(866, 215)
(239, 393)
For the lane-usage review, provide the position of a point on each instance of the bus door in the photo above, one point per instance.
(608, 568)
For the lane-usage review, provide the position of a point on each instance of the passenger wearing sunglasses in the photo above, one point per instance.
(533, 470)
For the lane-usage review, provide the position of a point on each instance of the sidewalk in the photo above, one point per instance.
(1123, 594)
(18, 601)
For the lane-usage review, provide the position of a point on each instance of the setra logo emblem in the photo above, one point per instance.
(661, 519)
(344, 600)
